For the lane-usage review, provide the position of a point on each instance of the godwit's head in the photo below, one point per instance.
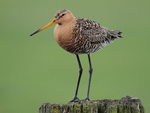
(64, 16)
(61, 17)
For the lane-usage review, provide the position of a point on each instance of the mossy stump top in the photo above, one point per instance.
(126, 104)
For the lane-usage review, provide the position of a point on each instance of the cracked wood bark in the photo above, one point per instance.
(126, 104)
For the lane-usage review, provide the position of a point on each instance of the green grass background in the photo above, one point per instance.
(35, 70)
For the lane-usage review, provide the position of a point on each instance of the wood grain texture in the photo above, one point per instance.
(126, 104)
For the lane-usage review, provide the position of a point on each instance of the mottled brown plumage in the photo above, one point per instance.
(83, 35)
(80, 36)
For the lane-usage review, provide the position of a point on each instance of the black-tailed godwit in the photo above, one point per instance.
(80, 36)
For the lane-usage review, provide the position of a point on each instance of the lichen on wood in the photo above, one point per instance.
(127, 104)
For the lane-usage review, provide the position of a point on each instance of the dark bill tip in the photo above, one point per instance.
(35, 32)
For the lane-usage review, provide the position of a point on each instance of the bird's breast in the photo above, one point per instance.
(64, 36)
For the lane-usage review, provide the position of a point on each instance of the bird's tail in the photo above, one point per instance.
(118, 33)
(114, 34)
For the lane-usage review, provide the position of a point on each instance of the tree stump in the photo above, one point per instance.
(127, 104)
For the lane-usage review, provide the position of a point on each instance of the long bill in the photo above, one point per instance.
(54, 21)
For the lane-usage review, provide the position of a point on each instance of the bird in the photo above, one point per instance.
(80, 36)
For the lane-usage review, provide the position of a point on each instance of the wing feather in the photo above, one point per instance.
(94, 35)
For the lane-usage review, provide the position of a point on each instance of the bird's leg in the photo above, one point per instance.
(80, 73)
(90, 75)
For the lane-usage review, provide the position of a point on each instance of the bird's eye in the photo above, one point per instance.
(63, 15)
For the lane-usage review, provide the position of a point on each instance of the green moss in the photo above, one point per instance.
(125, 105)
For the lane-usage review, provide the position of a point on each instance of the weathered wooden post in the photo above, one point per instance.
(126, 104)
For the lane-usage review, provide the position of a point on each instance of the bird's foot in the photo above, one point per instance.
(75, 99)
(86, 99)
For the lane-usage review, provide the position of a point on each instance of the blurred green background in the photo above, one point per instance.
(35, 70)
